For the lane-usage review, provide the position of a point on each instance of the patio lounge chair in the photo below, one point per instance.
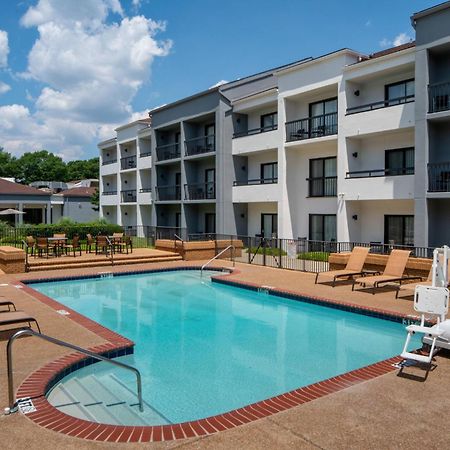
(393, 272)
(17, 317)
(354, 266)
(9, 305)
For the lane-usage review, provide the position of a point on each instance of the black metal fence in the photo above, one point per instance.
(199, 145)
(311, 127)
(439, 177)
(439, 97)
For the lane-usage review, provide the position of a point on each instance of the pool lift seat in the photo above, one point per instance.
(431, 301)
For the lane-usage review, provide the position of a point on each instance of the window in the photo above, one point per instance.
(178, 220)
(269, 121)
(399, 161)
(401, 92)
(269, 172)
(269, 225)
(322, 227)
(399, 230)
(210, 183)
(322, 177)
(210, 222)
(323, 117)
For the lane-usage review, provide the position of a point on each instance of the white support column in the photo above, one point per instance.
(19, 217)
(48, 215)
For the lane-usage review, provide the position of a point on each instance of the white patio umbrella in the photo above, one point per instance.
(7, 212)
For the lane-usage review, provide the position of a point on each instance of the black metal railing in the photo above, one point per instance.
(439, 177)
(144, 190)
(200, 191)
(322, 186)
(439, 97)
(380, 104)
(256, 181)
(128, 196)
(168, 193)
(312, 127)
(145, 154)
(168, 151)
(255, 131)
(109, 161)
(199, 145)
(109, 193)
(129, 162)
(380, 172)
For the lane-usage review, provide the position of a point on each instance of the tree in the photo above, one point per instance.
(82, 169)
(7, 164)
(40, 165)
(95, 200)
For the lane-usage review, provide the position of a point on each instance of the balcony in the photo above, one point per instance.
(145, 196)
(255, 190)
(255, 131)
(380, 104)
(322, 186)
(109, 198)
(168, 193)
(439, 97)
(200, 145)
(200, 191)
(255, 181)
(168, 151)
(109, 193)
(311, 127)
(128, 162)
(380, 172)
(109, 161)
(252, 141)
(128, 196)
(145, 154)
(439, 177)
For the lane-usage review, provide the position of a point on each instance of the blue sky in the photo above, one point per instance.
(70, 71)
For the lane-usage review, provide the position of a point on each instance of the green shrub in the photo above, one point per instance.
(313, 256)
(270, 251)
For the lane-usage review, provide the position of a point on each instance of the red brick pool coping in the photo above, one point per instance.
(37, 384)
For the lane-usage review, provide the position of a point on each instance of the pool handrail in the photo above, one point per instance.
(25, 247)
(177, 237)
(52, 340)
(218, 254)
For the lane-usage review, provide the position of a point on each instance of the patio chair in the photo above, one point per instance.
(125, 244)
(393, 272)
(43, 246)
(116, 241)
(354, 266)
(9, 305)
(17, 317)
(31, 243)
(101, 244)
(90, 241)
(74, 246)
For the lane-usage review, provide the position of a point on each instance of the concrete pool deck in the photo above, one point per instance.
(385, 412)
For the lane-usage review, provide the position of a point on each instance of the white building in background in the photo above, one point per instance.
(346, 146)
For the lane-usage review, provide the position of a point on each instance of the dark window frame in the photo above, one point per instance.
(310, 177)
(272, 179)
(403, 216)
(321, 101)
(404, 169)
(310, 216)
(388, 101)
(274, 222)
(268, 127)
(208, 215)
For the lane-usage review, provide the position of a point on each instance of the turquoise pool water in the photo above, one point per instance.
(205, 348)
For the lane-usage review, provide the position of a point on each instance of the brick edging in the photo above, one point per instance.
(38, 383)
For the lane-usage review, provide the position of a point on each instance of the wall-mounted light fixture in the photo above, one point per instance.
(126, 182)
(355, 217)
(242, 216)
(126, 214)
(107, 213)
(125, 150)
(355, 154)
(244, 168)
(107, 154)
(356, 93)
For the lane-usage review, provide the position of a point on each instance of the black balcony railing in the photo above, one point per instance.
(380, 104)
(322, 187)
(145, 190)
(128, 196)
(200, 191)
(145, 154)
(129, 162)
(199, 145)
(439, 97)
(255, 181)
(109, 161)
(311, 127)
(380, 173)
(168, 193)
(109, 193)
(255, 131)
(168, 151)
(439, 177)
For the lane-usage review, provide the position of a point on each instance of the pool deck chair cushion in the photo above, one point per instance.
(17, 317)
(354, 266)
(393, 272)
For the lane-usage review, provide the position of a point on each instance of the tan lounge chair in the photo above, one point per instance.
(393, 272)
(16, 317)
(9, 305)
(354, 266)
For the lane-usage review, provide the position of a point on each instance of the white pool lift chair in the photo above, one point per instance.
(432, 302)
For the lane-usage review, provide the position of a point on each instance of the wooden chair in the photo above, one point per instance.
(59, 245)
(74, 246)
(90, 241)
(101, 244)
(125, 244)
(43, 246)
(31, 243)
(117, 241)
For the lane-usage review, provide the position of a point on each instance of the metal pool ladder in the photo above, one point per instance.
(52, 340)
(218, 254)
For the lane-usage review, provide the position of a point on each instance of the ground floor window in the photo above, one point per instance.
(322, 227)
(178, 220)
(269, 225)
(210, 223)
(399, 230)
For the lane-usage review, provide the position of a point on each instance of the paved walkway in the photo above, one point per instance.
(388, 412)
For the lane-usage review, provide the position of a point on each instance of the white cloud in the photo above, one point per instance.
(91, 70)
(400, 39)
(219, 83)
(368, 23)
(4, 87)
(4, 48)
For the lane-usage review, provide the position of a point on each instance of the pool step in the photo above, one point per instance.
(102, 398)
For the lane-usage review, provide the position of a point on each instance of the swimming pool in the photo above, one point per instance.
(205, 348)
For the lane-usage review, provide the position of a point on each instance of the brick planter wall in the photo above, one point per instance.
(12, 260)
(200, 250)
